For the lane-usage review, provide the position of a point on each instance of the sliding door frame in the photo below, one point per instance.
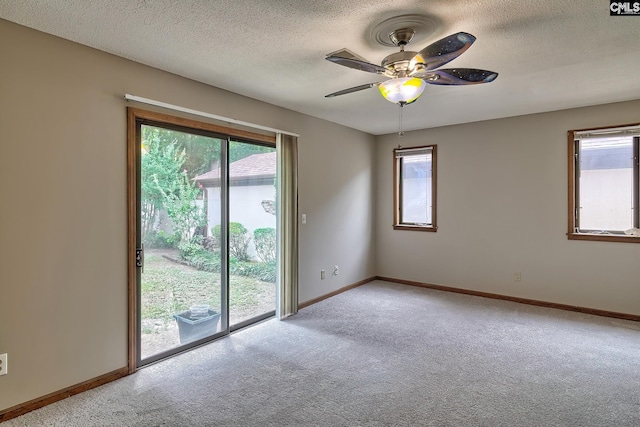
(135, 119)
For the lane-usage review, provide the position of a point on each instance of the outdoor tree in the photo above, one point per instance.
(161, 165)
(170, 161)
(166, 182)
(240, 150)
(199, 151)
(180, 202)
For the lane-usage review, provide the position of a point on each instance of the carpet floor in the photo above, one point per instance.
(385, 354)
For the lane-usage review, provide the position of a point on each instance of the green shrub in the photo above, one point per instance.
(265, 241)
(191, 248)
(215, 234)
(265, 271)
(161, 239)
(239, 240)
(198, 257)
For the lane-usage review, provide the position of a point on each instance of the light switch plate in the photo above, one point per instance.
(3, 364)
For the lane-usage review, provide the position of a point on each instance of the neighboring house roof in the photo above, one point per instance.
(256, 169)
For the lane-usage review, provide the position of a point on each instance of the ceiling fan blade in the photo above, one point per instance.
(352, 89)
(357, 64)
(444, 50)
(458, 76)
(346, 53)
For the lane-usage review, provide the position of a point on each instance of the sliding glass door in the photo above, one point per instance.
(252, 232)
(205, 235)
(181, 286)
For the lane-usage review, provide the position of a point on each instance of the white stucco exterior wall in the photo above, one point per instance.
(245, 207)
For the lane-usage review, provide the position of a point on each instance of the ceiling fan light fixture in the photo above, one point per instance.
(402, 90)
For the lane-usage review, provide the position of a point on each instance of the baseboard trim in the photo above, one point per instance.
(558, 306)
(48, 399)
(336, 292)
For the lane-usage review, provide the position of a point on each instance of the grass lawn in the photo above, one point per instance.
(169, 287)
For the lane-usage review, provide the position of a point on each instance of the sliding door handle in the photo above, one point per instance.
(140, 258)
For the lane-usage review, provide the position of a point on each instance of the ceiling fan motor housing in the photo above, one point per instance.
(399, 63)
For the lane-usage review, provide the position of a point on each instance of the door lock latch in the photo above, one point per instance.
(140, 257)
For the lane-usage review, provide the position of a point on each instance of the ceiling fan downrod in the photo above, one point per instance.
(402, 37)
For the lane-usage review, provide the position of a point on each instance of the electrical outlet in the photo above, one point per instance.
(322, 274)
(336, 270)
(3, 364)
(517, 277)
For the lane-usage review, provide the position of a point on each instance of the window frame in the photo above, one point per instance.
(397, 191)
(573, 232)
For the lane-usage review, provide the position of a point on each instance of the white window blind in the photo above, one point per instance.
(404, 152)
(625, 131)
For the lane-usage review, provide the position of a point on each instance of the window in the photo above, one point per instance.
(604, 184)
(414, 194)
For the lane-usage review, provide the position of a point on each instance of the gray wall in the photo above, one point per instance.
(502, 208)
(63, 271)
(63, 267)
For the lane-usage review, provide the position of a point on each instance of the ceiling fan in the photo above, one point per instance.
(410, 71)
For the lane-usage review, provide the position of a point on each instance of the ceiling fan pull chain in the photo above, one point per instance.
(400, 131)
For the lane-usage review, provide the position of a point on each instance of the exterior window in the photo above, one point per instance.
(414, 171)
(604, 184)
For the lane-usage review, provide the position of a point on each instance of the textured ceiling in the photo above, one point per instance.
(551, 54)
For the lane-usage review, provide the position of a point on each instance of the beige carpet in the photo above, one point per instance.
(385, 354)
